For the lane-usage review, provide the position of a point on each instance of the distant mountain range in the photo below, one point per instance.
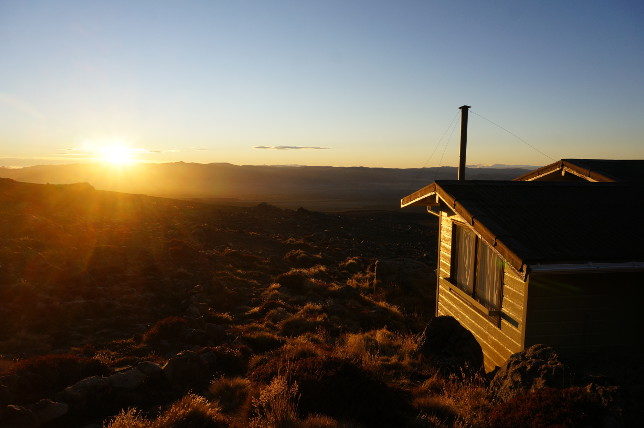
(313, 187)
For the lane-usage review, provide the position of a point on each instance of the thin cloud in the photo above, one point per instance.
(291, 147)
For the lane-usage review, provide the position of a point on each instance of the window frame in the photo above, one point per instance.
(472, 298)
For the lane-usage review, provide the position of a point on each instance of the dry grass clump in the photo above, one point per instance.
(301, 258)
(276, 404)
(379, 350)
(215, 317)
(232, 394)
(362, 281)
(354, 264)
(261, 342)
(170, 329)
(381, 343)
(190, 411)
(310, 318)
(458, 401)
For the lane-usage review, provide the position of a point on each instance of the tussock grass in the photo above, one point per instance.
(190, 411)
(232, 394)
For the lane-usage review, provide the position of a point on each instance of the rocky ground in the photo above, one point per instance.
(129, 311)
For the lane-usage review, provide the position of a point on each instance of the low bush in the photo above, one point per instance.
(570, 407)
(170, 329)
(261, 342)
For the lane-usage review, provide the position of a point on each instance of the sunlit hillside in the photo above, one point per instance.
(118, 305)
(324, 188)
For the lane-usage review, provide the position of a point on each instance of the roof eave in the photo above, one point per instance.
(423, 197)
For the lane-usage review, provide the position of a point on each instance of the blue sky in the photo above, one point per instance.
(369, 83)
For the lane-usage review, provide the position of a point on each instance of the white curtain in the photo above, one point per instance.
(463, 258)
(489, 276)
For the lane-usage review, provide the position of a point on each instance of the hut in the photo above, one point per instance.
(553, 262)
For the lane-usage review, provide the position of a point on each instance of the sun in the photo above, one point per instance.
(116, 154)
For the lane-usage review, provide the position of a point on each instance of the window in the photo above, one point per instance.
(476, 269)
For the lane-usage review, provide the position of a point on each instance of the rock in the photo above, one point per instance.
(450, 347)
(127, 379)
(84, 390)
(149, 368)
(185, 370)
(533, 368)
(13, 416)
(47, 410)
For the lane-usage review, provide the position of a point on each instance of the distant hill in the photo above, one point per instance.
(314, 187)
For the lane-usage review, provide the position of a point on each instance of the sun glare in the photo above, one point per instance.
(115, 153)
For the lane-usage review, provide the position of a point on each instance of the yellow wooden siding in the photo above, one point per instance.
(497, 342)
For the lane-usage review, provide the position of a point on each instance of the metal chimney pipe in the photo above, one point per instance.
(463, 152)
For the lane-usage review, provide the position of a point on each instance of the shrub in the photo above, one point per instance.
(169, 330)
(549, 407)
(44, 375)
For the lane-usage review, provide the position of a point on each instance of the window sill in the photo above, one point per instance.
(469, 300)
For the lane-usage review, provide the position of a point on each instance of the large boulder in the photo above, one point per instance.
(537, 367)
(406, 282)
(14, 416)
(88, 390)
(47, 410)
(186, 370)
(450, 347)
(127, 379)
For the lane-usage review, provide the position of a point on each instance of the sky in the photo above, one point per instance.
(345, 83)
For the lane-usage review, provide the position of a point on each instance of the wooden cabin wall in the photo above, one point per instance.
(498, 341)
(583, 312)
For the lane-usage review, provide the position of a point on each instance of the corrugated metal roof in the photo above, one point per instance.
(550, 222)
